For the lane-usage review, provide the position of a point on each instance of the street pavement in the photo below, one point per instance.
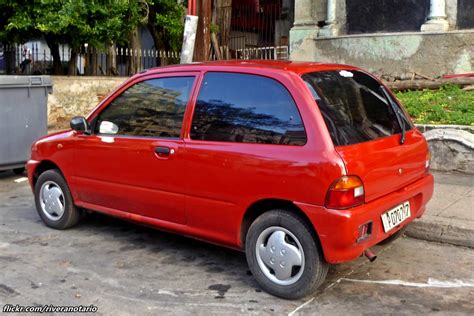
(126, 269)
(449, 217)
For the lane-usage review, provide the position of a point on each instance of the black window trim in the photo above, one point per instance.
(198, 91)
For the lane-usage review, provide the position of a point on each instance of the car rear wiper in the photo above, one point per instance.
(396, 110)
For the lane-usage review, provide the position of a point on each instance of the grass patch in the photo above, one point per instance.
(447, 105)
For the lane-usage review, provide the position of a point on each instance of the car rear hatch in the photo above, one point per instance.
(369, 129)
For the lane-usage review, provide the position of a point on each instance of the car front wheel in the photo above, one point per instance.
(54, 201)
(284, 256)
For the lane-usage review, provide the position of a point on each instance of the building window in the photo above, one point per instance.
(372, 16)
(465, 18)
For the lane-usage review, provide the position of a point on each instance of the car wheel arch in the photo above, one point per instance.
(262, 206)
(43, 166)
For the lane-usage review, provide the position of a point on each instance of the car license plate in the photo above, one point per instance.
(395, 216)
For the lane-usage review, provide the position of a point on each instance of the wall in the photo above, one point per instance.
(393, 55)
(76, 96)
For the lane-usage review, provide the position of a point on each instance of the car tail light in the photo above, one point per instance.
(345, 192)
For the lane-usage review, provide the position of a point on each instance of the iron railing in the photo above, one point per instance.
(115, 62)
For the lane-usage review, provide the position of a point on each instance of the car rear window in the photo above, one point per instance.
(354, 106)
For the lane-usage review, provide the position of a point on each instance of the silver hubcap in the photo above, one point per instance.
(280, 255)
(52, 200)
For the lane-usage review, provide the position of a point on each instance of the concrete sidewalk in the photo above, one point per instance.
(449, 217)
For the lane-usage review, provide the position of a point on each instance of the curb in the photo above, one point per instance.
(441, 232)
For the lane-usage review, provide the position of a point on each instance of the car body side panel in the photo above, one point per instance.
(224, 179)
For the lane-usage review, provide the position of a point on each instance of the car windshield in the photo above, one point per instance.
(354, 106)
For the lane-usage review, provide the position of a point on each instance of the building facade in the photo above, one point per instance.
(392, 38)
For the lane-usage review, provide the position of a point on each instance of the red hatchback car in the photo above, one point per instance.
(300, 165)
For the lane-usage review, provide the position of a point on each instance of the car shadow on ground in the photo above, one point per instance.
(185, 251)
(169, 248)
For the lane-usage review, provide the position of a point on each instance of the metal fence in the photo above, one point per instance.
(89, 61)
(115, 62)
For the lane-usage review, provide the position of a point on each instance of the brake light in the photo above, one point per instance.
(345, 192)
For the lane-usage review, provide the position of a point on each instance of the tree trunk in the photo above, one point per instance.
(72, 64)
(429, 84)
(134, 44)
(93, 61)
(156, 34)
(203, 35)
(111, 62)
(54, 48)
(223, 20)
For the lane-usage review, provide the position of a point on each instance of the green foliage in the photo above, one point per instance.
(74, 22)
(166, 23)
(447, 105)
(214, 28)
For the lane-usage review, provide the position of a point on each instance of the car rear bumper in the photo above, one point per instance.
(338, 229)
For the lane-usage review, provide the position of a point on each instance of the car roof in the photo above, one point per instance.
(298, 67)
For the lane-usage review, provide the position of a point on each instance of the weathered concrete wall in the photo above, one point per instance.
(76, 96)
(451, 150)
(393, 55)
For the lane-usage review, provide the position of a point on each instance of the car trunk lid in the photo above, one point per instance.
(384, 165)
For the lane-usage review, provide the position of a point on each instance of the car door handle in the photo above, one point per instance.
(164, 151)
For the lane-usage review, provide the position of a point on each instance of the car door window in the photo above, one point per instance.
(151, 108)
(246, 108)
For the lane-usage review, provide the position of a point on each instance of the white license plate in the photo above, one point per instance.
(395, 216)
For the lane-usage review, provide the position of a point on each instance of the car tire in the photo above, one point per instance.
(19, 171)
(54, 201)
(272, 245)
(393, 237)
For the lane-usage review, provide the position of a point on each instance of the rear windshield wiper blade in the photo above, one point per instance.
(395, 110)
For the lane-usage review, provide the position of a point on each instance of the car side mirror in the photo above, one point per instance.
(107, 127)
(80, 124)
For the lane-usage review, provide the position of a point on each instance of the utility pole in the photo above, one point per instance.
(203, 35)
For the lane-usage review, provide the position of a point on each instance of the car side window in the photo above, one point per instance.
(245, 108)
(152, 108)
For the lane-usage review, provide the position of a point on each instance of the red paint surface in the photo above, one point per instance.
(205, 188)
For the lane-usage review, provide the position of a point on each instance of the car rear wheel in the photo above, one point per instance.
(393, 237)
(283, 255)
(54, 201)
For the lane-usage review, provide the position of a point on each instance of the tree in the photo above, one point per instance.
(73, 22)
(166, 24)
(100, 24)
(21, 21)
